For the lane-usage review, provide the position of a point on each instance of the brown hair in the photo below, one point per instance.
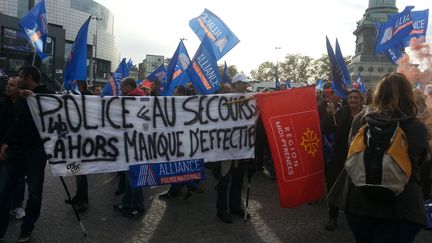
(394, 95)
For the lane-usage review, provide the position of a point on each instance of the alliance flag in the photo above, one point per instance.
(175, 70)
(397, 28)
(203, 71)
(222, 38)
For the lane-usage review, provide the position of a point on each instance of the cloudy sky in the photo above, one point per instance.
(155, 27)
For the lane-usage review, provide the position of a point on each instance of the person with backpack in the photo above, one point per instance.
(384, 200)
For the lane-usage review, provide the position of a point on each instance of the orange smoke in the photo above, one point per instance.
(417, 63)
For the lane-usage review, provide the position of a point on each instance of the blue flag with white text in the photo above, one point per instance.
(35, 25)
(394, 31)
(346, 77)
(420, 24)
(159, 74)
(76, 65)
(203, 71)
(152, 174)
(176, 74)
(338, 84)
(208, 24)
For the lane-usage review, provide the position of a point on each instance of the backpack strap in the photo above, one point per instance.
(357, 144)
(399, 151)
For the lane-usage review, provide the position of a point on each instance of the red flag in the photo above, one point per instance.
(292, 125)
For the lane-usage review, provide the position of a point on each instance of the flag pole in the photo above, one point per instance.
(73, 206)
(34, 56)
(249, 173)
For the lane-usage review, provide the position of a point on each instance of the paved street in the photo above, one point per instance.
(179, 220)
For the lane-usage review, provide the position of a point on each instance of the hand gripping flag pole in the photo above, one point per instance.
(73, 206)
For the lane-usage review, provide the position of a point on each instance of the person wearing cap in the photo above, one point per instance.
(231, 170)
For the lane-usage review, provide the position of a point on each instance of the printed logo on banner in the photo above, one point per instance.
(296, 143)
(74, 166)
(166, 172)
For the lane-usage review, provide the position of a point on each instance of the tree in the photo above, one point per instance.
(296, 68)
(265, 72)
(320, 69)
(232, 70)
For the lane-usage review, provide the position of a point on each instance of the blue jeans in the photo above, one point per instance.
(375, 230)
(22, 161)
(133, 197)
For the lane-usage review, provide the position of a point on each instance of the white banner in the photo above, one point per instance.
(92, 134)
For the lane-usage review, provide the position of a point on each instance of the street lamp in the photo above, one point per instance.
(277, 48)
(95, 47)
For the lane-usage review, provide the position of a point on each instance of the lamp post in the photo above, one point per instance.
(277, 48)
(95, 47)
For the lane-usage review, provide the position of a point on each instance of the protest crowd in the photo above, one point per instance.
(366, 152)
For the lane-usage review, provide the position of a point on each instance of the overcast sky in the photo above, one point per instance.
(155, 27)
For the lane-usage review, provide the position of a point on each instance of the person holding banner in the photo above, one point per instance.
(340, 123)
(231, 170)
(25, 155)
(81, 196)
(133, 199)
(6, 111)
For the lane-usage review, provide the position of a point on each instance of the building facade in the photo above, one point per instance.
(65, 17)
(370, 66)
(151, 63)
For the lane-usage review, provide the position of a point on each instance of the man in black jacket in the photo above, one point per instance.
(25, 155)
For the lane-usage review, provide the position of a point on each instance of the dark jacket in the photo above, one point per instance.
(341, 131)
(409, 204)
(24, 132)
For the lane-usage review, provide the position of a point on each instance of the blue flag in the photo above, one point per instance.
(112, 87)
(176, 74)
(203, 71)
(288, 84)
(360, 83)
(35, 25)
(346, 77)
(222, 38)
(420, 24)
(226, 78)
(76, 65)
(319, 84)
(394, 31)
(122, 70)
(393, 54)
(129, 63)
(159, 74)
(338, 84)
